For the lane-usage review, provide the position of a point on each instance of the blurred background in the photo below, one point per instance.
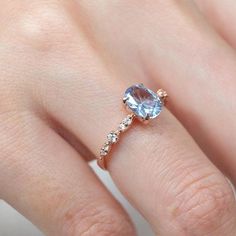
(14, 224)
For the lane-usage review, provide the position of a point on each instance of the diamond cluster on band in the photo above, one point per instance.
(113, 136)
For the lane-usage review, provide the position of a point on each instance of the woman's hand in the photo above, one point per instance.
(64, 66)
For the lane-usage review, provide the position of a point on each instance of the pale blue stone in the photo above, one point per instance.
(143, 102)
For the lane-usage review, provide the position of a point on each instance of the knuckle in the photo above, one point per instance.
(205, 205)
(41, 26)
(95, 220)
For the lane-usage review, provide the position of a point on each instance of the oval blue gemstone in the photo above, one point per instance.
(143, 102)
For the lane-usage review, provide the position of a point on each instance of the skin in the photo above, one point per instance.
(64, 66)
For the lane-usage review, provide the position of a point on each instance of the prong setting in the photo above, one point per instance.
(124, 100)
(147, 117)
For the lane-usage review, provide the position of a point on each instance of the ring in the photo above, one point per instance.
(143, 104)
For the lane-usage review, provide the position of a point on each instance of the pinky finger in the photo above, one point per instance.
(48, 182)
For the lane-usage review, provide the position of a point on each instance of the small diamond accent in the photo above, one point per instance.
(122, 127)
(126, 123)
(162, 94)
(112, 137)
(105, 149)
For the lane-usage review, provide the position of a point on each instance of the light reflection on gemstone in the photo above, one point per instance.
(143, 102)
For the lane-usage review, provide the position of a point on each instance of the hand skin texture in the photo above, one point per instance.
(64, 65)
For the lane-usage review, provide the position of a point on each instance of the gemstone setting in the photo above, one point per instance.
(143, 102)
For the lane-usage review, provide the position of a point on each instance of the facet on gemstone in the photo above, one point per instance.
(143, 102)
(112, 137)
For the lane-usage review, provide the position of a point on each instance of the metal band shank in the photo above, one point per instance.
(112, 138)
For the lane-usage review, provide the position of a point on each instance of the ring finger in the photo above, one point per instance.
(183, 191)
